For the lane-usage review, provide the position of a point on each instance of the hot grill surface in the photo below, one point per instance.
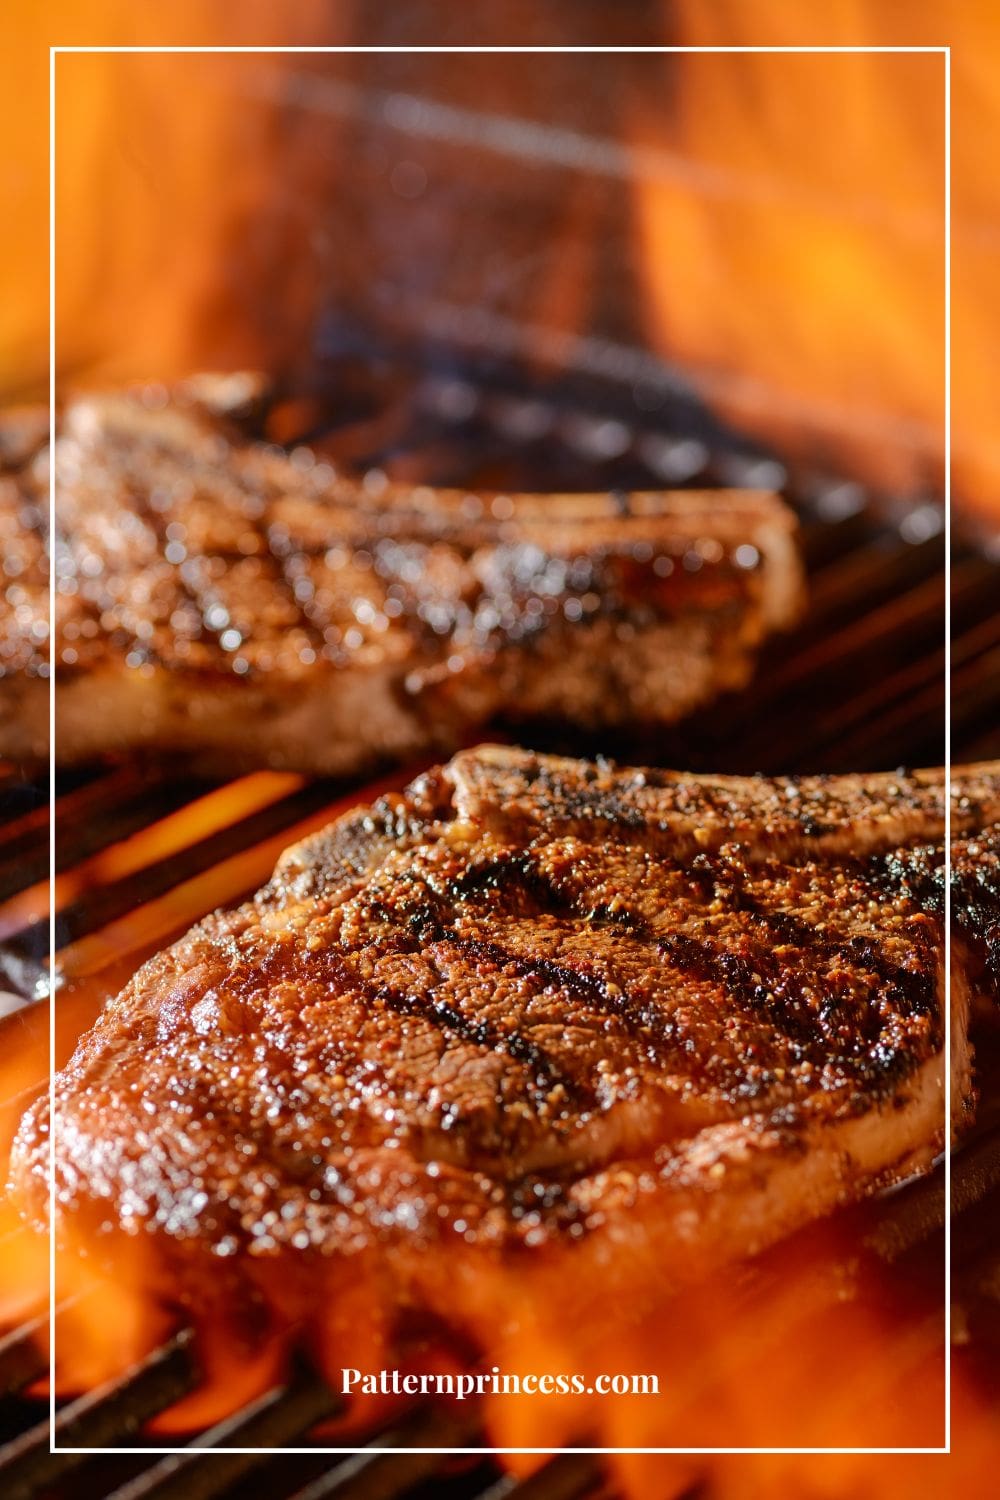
(141, 851)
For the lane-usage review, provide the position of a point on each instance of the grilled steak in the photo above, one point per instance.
(220, 597)
(534, 1008)
(24, 597)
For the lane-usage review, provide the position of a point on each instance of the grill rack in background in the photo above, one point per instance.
(859, 685)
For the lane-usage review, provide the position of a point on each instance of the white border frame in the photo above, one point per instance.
(946, 54)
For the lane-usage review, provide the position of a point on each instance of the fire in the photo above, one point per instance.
(813, 1348)
(795, 266)
(788, 240)
(217, 809)
(833, 281)
(798, 1361)
(106, 1319)
(24, 1067)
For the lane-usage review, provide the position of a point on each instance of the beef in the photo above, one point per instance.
(24, 597)
(224, 599)
(532, 1010)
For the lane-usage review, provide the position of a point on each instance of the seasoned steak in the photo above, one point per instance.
(223, 598)
(24, 595)
(531, 1007)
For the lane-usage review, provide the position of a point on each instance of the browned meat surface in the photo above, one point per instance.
(535, 1009)
(24, 585)
(229, 600)
(976, 898)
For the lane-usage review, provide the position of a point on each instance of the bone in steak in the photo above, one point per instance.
(534, 1008)
(220, 597)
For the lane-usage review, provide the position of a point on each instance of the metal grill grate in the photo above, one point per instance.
(142, 852)
(900, 1234)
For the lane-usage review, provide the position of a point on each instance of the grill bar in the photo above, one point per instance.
(131, 796)
(152, 917)
(888, 1232)
(100, 1418)
(98, 904)
(379, 1473)
(278, 1417)
(24, 1355)
(569, 1477)
(859, 684)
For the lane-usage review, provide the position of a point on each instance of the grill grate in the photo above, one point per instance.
(900, 1233)
(142, 852)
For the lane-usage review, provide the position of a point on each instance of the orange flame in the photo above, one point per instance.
(795, 266)
(788, 213)
(24, 1067)
(808, 1351)
(819, 327)
(801, 271)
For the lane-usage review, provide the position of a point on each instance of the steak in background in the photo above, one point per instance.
(224, 599)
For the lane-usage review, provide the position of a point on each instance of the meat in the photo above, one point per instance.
(536, 1013)
(223, 599)
(24, 597)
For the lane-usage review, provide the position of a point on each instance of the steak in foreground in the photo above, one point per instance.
(223, 599)
(536, 1012)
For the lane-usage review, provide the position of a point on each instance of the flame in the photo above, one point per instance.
(106, 1319)
(796, 266)
(812, 1350)
(788, 215)
(157, 841)
(233, 1369)
(798, 1361)
(123, 206)
(24, 1068)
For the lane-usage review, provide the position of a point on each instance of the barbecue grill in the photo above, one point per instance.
(447, 376)
(142, 851)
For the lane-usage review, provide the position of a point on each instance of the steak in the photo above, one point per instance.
(534, 1012)
(222, 598)
(24, 598)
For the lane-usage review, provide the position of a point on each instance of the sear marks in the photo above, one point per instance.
(229, 599)
(525, 988)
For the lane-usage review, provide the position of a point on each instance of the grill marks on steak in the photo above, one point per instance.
(490, 1009)
(619, 938)
(24, 597)
(220, 596)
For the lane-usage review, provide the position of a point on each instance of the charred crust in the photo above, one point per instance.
(521, 987)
